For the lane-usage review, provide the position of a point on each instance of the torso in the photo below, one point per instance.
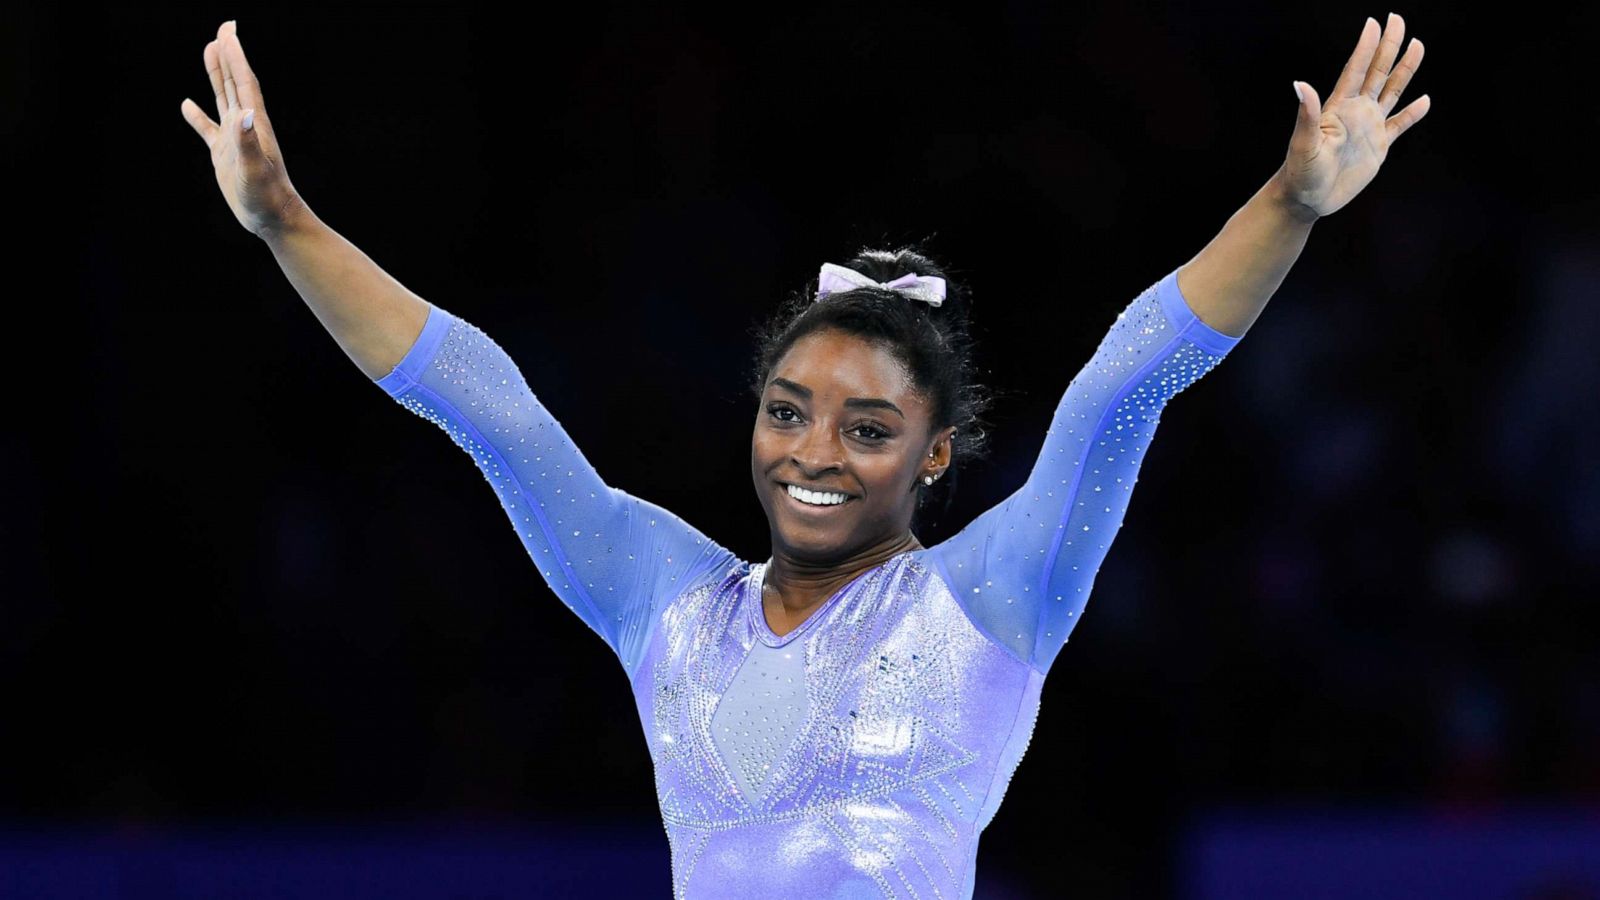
(859, 752)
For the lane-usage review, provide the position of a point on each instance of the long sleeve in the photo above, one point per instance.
(613, 558)
(1024, 568)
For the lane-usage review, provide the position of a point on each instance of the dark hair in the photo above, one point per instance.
(933, 344)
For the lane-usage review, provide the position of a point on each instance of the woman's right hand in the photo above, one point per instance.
(248, 163)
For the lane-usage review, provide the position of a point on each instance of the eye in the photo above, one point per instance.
(873, 434)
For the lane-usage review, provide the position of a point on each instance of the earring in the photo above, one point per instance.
(927, 479)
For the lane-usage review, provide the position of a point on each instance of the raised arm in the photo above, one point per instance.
(611, 557)
(1024, 568)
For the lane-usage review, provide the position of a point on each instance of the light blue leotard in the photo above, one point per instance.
(863, 753)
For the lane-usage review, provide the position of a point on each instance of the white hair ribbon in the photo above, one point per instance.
(838, 279)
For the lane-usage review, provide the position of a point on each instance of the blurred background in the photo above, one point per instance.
(264, 632)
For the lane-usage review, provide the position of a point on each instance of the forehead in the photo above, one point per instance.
(830, 362)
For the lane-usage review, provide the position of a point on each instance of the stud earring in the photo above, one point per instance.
(927, 479)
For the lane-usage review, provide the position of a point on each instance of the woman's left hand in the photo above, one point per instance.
(1336, 149)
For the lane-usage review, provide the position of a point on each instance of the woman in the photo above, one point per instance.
(842, 719)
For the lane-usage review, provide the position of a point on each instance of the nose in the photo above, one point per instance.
(817, 450)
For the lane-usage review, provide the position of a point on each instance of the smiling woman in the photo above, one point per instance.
(909, 330)
(861, 386)
(841, 720)
(851, 710)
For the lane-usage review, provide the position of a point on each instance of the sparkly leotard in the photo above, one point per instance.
(863, 753)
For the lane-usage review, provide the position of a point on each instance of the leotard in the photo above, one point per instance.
(862, 753)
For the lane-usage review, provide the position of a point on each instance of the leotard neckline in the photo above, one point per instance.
(757, 606)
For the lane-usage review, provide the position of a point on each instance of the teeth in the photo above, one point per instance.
(815, 498)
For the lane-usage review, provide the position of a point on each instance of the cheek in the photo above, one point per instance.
(885, 476)
(763, 450)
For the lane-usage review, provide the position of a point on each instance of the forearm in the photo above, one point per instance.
(373, 317)
(1230, 281)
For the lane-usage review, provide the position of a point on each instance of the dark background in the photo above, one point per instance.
(241, 584)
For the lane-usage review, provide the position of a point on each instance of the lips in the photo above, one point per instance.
(783, 488)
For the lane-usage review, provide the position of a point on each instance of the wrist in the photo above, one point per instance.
(293, 218)
(1277, 191)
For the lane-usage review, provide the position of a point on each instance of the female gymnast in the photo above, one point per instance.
(842, 719)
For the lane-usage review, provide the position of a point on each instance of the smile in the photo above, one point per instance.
(816, 499)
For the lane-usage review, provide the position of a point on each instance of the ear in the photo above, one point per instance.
(939, 452)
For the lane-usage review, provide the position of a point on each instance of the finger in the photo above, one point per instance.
(214, 72)
(1355, 68)
(1307, 135)
(227, 70)
(1401, 76)
(199, 121)
(1408, 117)
(1312, 107)
(250, 152)
(1394, 35)
(244, 79)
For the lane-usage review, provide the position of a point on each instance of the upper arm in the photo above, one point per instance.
(1023, 569)
(611, 557)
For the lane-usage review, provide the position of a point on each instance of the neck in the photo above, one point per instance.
(801, 583)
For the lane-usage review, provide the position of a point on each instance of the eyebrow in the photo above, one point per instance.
(863, 402)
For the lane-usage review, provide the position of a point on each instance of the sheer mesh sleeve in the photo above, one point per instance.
(613, 558)
(1024, 568)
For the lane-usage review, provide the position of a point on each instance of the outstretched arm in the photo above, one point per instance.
(1024, 569)
(611, 557)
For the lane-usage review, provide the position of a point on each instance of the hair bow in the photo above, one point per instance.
(838, 279)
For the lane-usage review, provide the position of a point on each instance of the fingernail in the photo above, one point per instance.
(249, 119)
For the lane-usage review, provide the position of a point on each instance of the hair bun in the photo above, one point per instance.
(886, 265)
